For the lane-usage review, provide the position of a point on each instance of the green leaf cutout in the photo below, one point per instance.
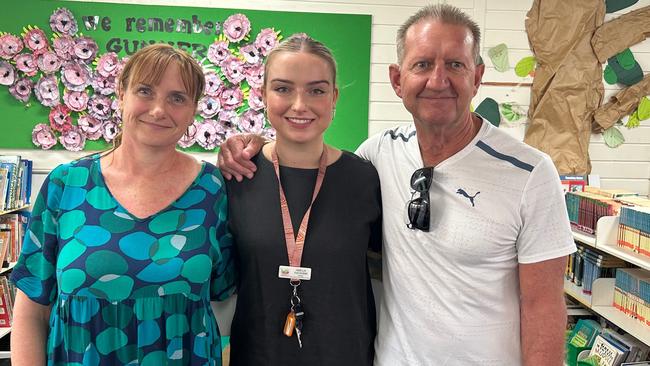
(643, 110)
(626, 59)
(613, 137)
(499, 56)
(633, 120)
(510, 112)
(489, 109)
(525, 66)
(610, 75)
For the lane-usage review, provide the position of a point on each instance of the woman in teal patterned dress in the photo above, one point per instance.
(126, 250)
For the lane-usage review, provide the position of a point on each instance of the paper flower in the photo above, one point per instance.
(10, 46)
(266, 39)
(48, 62)
(22, 89)
(231, 98)
(213, 84)
(255, 101)
(255, 76)
(207, 136)
(236, 27)
(227, 128)
(47, 91)
(75, 76)
(99, 106)
(36, 40)
(188, 138)
(60, 119)
(91, 127)
(103, 85)
(26, 63)
(209, 106)
(73, 139)
(107, 64)
(269, 133)
(64, 47)
(218, 52)
(227, 115)
(251, 122)
(75, 100)
(251, 54)
(111, 128)
(233, 69)
(85, 49)
(7, 73)
(43, 136)
(62, 21)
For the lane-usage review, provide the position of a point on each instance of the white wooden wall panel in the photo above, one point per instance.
(501, 21)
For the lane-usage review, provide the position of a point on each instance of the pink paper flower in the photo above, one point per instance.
(10, 46)
(99, 106)
(64, 47)
(73, 139)
(227, 128)
(255, 100)
(231, 98)
(91, 127)
(255, 76)
(251, 54)
(26, 63)
(233, 69)
(75, 76)
(43, 136)
(236, 27)
(269, 133)
(75, 100)
(213, 84)
(225, 115)
(189, 137)
(218, 52)
(103, 85)
(266, 39)
(120, 67)
(47, 91)
(85, 49)
(251, 122)
(107, 64)
(62, 21)
(48, 62)
(36, 40)
(111, 128)
(22, 89)
(209, 106)
(7, 73)
(60, 119)
(207, 136)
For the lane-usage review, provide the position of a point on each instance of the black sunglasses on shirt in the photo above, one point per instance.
(419, 208)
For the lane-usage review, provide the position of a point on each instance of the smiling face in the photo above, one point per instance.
(157, 115)
(300, 96)
(438, 77)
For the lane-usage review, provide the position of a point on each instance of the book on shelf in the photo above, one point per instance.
(634, 229)
(632, 294)
(17, 174)
(609, 353)
(16, 224)
(573, 183)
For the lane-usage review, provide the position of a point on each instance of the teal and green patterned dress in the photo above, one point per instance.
(125, 290)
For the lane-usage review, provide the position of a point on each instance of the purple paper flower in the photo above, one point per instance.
(91, 127)
(22, 89)
(213, 84)
(231, 98)
(218, 52)
(255, 100)
(75, 100)
(189, 137)
(209, 106)
(47, 91)
(266, 39)
(99, 106)
(107, 64)
(36, 40)
(48, 62)
(75, 76)
(73, 139)
(255, 76)
(111, 128)
(207, 136)
(7, 73)
(251, 54)
(43, 136)
(251, 122)
(103, 85)
(10, 46)
(85, 49)
(60, 119)
(62, 21)
(64, 47)
(26, 63)
(233, 68)
(236, 27)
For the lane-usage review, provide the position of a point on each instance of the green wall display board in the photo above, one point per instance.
(124, 28)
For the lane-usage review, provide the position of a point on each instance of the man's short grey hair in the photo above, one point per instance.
(444, 13)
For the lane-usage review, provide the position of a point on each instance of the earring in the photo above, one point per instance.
(333, 112)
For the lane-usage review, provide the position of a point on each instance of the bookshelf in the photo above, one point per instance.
(21, 208)
(600, 301)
